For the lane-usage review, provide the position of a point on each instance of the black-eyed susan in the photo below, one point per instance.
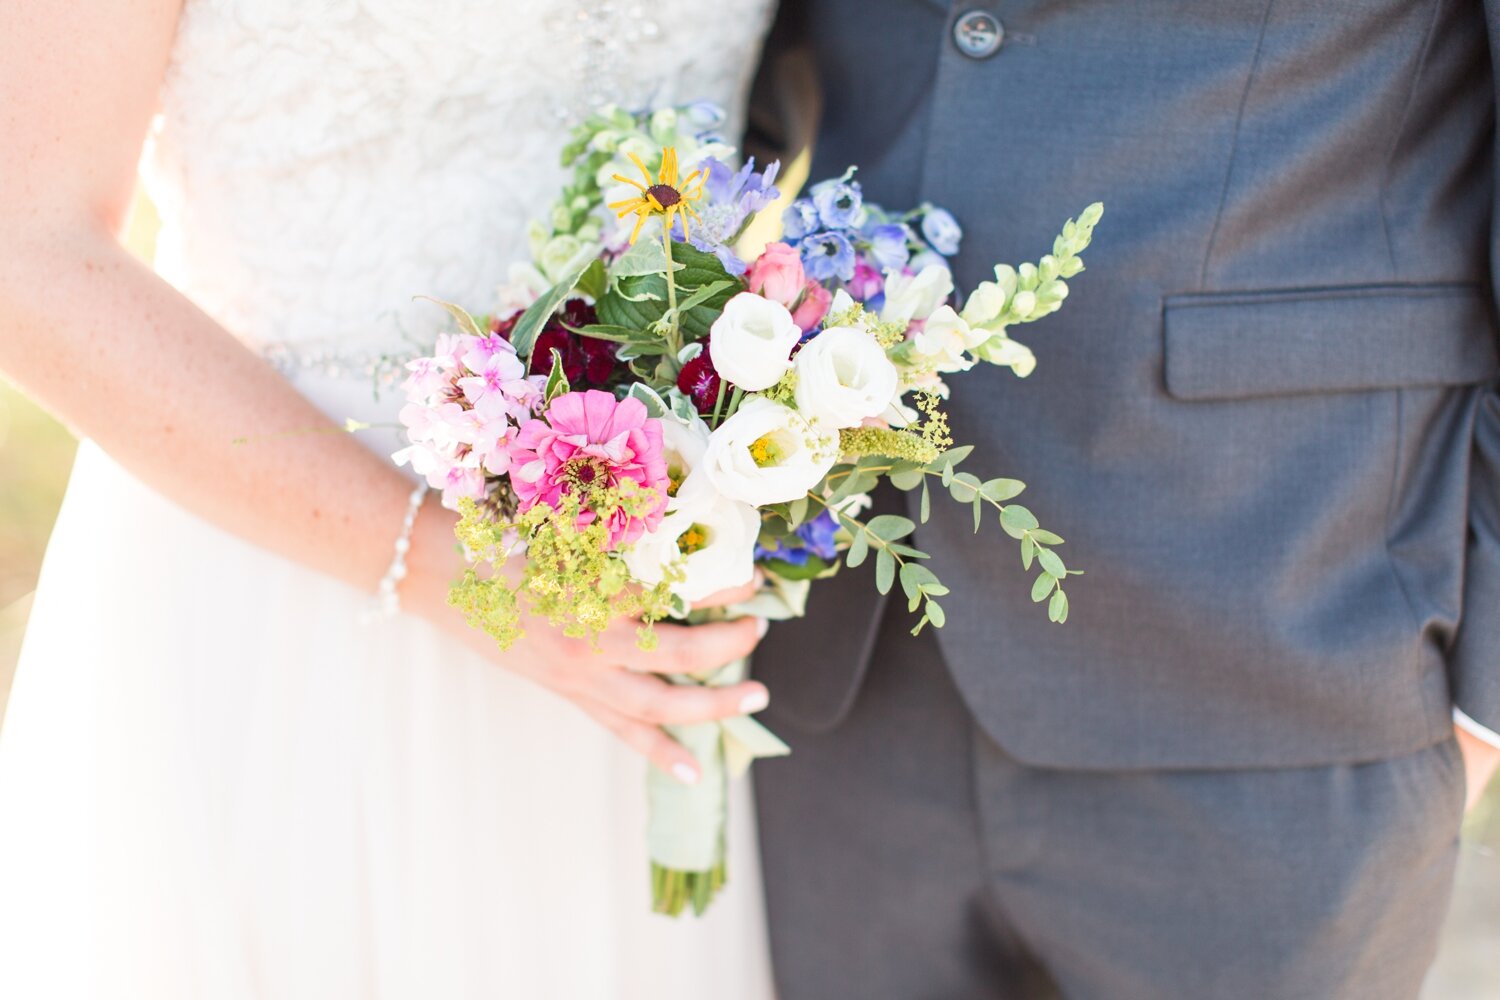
(662, 195)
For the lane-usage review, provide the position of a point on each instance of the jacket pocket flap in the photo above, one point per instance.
(1271, 343)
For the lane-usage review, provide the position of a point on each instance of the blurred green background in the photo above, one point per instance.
(36, 454)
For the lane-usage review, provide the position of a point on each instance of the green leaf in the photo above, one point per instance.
(703, 295)
(1043, 587)
(965, 487)
(594, 281)
(885, 570)
(557, 381)
(978, 514)
(952, 456)
(523, 335)
(889, 527)
(615, 334)
(908, 479)
(797, 511)
(1028, 551)
(906, 550)
(935, 614)
(1057, 608)
(466, 322)
(1017, 520)
(920, 575)
(858, 550)
(1045, 537)
(925, 507)
(1001, 490)
(909, 581)
(1051, 563)
(637, 301)
(811, 570)
(644, 257)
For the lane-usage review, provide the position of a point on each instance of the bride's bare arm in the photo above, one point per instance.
(126, 360)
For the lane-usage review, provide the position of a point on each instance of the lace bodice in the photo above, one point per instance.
(316, 163)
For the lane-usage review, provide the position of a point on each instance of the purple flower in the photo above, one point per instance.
(888, 245)
(813, 538)
(942, 230)
(731, 198)
(828, 255)
(840, 203)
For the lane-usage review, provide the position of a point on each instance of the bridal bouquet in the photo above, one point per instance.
(648, 416)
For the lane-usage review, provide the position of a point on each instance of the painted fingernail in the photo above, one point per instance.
(762, 626)
(755, 701)
(685, 773)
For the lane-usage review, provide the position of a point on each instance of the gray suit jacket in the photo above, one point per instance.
(1266, 420)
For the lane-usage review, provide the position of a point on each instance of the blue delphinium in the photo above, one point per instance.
(827, 255)
(730, 199)
(942, 230)
(840, 203)
(799, 220)
(889, 244)
(814, 538)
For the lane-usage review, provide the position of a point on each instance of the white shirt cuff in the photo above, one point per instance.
(1474, 729)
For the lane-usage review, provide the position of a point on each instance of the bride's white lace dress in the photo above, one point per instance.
(215, 779)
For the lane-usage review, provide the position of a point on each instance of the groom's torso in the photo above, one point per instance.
(1251, 419)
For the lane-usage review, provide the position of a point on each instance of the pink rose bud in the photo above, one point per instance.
(814, 307)
(777, 274)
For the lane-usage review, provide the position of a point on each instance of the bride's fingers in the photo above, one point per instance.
(654, 701)
(734, 595)
(647, 740)
(685, 649)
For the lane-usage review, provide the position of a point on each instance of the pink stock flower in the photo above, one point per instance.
(814, 307)
(866, 283)
(777, 275)
(587, 441)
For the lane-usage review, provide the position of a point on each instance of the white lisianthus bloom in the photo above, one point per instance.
(751, 342)
(843, 376)
(710, 537)
(683, 442)
(945, 339)
(915, 296)
(767, 453)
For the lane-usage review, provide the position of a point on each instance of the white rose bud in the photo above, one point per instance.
(711, 537)
(843, 376)
(915, 296)
(767, 453)
(751, 342)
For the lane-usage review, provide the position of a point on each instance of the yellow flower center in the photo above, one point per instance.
(675, 476)
(766, 450)
(695, 539)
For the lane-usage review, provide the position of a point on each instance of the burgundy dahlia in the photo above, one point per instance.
(700, 382)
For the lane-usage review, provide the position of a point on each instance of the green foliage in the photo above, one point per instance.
(639, 301)
(570, 578)
(524, 334)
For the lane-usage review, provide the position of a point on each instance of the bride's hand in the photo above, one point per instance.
(617, 683)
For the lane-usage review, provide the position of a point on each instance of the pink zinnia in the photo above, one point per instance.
(586, 441)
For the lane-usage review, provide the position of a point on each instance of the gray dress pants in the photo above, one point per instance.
(908, 857)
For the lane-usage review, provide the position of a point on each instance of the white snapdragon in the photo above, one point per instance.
(751, 342)
(917, 296)
(708, 537)
(944, 341)
(767, 453)
(843, 377)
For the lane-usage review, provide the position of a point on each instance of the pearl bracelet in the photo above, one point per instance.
(387, 598)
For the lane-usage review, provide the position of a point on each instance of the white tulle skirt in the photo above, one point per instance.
(216, 780)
